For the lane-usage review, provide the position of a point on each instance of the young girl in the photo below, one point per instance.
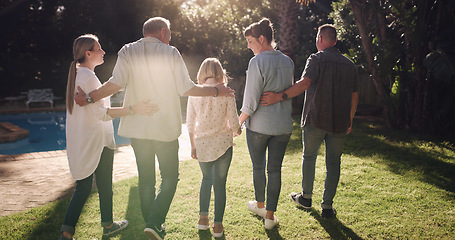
(90, 137)
(211, 122)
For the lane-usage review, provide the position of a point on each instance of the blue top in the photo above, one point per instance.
(268, 71)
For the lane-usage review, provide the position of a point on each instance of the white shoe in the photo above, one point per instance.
(218, 235)
(270, 223)
(203, 227)
(253, 207)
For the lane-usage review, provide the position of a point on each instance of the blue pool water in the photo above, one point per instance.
(47, 132)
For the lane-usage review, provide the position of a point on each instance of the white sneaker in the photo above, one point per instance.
(203, 226)
(220, 234)
(270, 223)
(253, 207)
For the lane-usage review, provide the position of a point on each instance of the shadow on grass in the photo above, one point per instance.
(271, 233)
(398, 149)
(402, 152)
(334, 227)
(136, 224)
(274, 234)
(207, 234)
(49, 226)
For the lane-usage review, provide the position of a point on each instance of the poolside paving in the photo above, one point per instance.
(34, 179)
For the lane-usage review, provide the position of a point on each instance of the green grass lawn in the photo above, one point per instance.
(394, 185)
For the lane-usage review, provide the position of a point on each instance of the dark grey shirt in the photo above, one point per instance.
(327, 103)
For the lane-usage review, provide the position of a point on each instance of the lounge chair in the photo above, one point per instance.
(40, 95)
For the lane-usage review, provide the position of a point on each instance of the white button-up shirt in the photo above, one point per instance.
(151, 69)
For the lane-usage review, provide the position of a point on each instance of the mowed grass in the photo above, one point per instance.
(394, 185)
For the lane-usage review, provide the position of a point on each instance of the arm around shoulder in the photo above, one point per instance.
(105, 90)
(205, 91)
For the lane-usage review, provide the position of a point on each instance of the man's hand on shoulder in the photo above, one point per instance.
(225, 91)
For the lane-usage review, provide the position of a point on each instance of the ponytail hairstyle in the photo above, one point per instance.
(264, 28)
(81, 45)
(211, 68)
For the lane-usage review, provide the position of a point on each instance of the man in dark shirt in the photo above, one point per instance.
(330, 82)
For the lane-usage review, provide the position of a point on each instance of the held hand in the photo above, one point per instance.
(193, 153)
(145, 108)
(80, 97)
(269, 98)
(238, 132)
(225, 91)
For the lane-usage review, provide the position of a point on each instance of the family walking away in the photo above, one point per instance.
(154, 77)
(153, 70)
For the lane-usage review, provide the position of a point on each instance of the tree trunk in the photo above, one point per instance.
(288, 12)
(361, 13)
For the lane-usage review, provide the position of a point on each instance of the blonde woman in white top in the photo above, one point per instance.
(90, 137)
(211, 122)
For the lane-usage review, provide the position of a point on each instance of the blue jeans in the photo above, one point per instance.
(155, 207)
(312, 140)
(258, 144)
(103, 175)
(214, 173)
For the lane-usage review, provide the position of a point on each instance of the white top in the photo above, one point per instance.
(88, 129)
(212, 120)
(151, 69)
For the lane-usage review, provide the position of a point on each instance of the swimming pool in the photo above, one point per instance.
(47, 132)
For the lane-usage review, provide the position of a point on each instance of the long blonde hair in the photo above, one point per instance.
(81, 44)
(211, 68)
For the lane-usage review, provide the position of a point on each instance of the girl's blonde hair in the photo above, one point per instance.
(211, 68)
(81, 45)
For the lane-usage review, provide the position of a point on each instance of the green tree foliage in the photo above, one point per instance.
(215, 29)
(37, 49)
(398, 36)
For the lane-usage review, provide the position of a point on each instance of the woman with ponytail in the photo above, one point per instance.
(90, 137)
(268, 128)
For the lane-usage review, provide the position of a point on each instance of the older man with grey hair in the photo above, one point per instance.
(152, 69)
